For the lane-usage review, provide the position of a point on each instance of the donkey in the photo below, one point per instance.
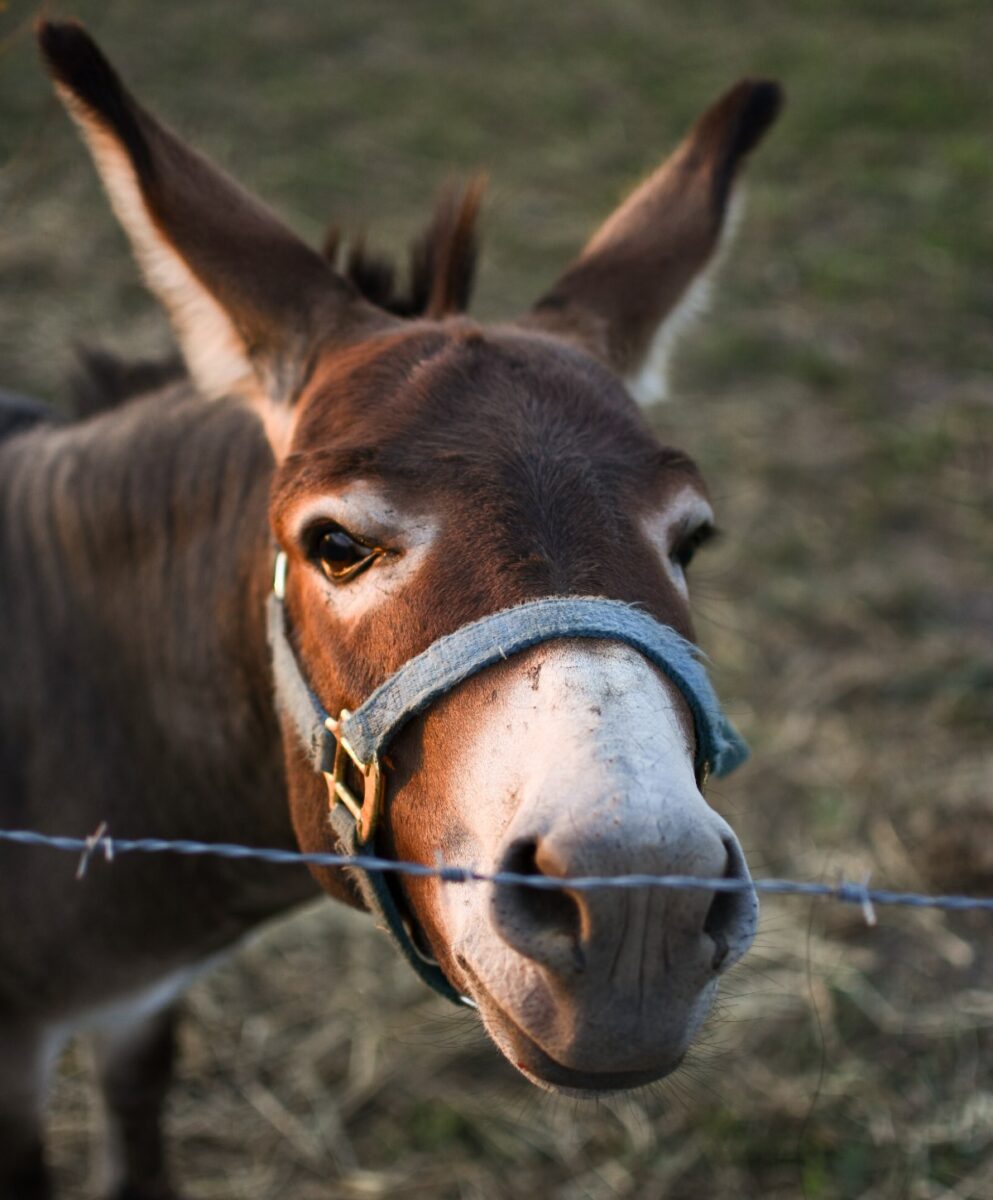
(411, 475)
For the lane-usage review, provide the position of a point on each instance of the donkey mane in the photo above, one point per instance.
(441, 271)
(442, 259)
(102, 380)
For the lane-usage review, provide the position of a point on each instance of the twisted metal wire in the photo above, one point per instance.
(845, 891)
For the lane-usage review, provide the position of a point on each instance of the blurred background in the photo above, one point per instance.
(839, 397)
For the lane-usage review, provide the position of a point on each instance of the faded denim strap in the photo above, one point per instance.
(293, 693)
(456, 657)
(377, 894)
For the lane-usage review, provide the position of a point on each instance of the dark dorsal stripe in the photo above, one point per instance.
(18, 413)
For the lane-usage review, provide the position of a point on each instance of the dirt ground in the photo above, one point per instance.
(839, 398)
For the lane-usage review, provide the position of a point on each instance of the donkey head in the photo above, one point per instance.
(429, 472)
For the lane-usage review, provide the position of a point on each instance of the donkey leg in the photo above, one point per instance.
(135, 1061)
(25, 1056)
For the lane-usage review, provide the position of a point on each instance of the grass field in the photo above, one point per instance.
(840, 400)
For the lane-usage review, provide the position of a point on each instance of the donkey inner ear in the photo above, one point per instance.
(628, 293)
(249, 300)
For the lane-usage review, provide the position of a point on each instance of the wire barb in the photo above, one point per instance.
(845, 891)
(98, 837)
(868, 912)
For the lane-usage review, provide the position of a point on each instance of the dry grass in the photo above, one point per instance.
(840, 402)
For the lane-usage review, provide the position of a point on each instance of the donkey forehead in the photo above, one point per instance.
(449, 408)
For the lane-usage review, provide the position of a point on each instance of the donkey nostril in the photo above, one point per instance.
(538, 912)
(728, 913)
(552, 909)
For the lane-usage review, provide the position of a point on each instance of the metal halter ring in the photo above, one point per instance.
(365, 811)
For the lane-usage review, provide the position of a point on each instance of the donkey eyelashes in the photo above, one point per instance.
(339, 554)
(688, 542)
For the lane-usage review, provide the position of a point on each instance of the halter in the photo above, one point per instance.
(361, 737)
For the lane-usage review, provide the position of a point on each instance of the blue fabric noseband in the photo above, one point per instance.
(450, 661)
(454, 658)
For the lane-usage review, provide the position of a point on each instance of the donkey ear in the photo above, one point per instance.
(623, 297)
(249, 300)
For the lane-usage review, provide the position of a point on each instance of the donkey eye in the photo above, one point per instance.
(689, 543)
(339, 554)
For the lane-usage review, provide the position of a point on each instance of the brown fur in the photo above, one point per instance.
(137, 688)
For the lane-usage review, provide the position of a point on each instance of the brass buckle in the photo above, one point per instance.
(365, 811)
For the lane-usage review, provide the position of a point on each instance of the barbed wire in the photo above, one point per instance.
(844, 890)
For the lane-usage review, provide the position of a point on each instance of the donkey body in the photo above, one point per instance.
(418, 473)
(118, 532)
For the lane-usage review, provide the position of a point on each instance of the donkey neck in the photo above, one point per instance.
(136, 549)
